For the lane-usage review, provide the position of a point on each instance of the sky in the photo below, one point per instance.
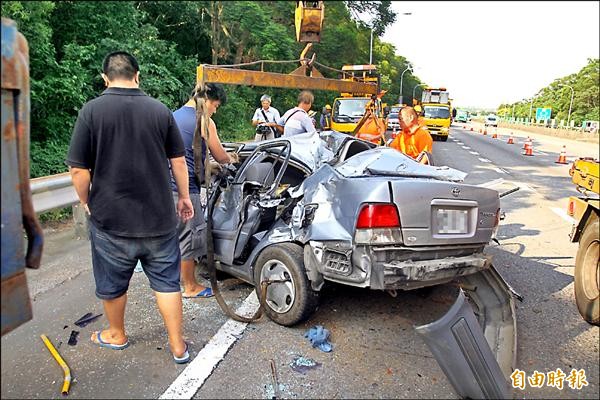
(489, 53)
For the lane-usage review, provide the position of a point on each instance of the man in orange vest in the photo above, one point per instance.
(413, 139)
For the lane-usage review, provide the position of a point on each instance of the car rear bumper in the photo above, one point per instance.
(382, 269)
(416, 274)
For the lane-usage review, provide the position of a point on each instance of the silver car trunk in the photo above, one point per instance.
(438, 213)
(436, 209)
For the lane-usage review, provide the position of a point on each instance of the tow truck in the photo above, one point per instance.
(350, 107)
(585, 209)
(437, 112)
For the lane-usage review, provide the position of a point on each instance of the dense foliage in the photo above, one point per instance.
(68, 40)
(586, 97)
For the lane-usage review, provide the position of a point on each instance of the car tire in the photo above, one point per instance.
(444, 138)
(291, 302)
(587, 273)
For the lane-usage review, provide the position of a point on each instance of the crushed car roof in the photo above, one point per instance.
(387, 161)
(315, 149)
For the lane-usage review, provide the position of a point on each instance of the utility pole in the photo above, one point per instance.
(401, 78)
(571, 104)
(371, 48)
(531, 109)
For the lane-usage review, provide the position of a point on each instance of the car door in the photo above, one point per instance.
(240, 208)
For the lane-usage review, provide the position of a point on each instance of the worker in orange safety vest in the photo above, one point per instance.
(413, 138)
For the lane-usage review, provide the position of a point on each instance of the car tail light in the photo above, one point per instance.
(571, 209)
(378, 224)
(378, 216)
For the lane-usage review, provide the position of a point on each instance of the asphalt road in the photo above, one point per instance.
(376, 353)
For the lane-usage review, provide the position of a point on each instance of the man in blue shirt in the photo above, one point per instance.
(192, 234)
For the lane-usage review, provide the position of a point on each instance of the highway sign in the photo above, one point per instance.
(543, 114)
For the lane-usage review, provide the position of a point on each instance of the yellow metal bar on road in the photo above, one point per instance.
(232, 76)
(61, 362)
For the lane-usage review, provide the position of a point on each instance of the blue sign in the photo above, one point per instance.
(543, 114)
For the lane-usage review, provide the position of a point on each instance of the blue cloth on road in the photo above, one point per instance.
(319, 337)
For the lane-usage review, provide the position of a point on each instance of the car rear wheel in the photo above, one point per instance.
(289, 299)
(587, 274)
(444, 138)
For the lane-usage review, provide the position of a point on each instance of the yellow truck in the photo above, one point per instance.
(349, 108)
(437, 112)
(585, 209)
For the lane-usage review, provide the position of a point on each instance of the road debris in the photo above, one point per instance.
(61, 362)
(73, 338)
(319, 337)
(274, 379)
(86, 319)
(303, 364)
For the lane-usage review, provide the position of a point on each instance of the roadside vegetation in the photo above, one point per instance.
(68, 40)
(586, 97)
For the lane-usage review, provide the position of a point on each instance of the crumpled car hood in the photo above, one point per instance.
(391, 162)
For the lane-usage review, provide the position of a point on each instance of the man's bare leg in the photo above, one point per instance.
(188, 278)
(114, 310)
(171, 309)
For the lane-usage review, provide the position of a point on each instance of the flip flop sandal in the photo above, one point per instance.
(112, 346)
(184, 358)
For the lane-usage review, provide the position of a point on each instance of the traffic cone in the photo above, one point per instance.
(484, 132)
(528, 141)
(528, 149)
(494, 135)
(471, 129)
(510, 139)
(394, 133)
(562, 158)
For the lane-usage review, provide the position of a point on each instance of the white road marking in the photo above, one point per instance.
(485, 160)
(474, 153)
(500, 170)
(459, 143)
(541, 152)
(563, 214)
(524, 186)
(466, 147)
(493, 183)
(195, 374)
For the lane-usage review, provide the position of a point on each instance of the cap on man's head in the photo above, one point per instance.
(265, 97)
(327, 107)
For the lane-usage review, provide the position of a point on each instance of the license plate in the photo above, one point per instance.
(452, 221)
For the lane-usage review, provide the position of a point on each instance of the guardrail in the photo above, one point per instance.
(52, 192)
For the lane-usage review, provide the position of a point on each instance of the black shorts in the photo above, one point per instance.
(114, 259)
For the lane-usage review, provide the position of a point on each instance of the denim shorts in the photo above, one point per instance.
(114, 259)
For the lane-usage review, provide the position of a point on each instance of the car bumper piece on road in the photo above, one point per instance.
(460, 352)
(459, 345)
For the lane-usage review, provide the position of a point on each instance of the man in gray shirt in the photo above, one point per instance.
(296, 121)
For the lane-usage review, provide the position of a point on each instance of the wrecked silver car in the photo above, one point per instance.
(299, 211)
